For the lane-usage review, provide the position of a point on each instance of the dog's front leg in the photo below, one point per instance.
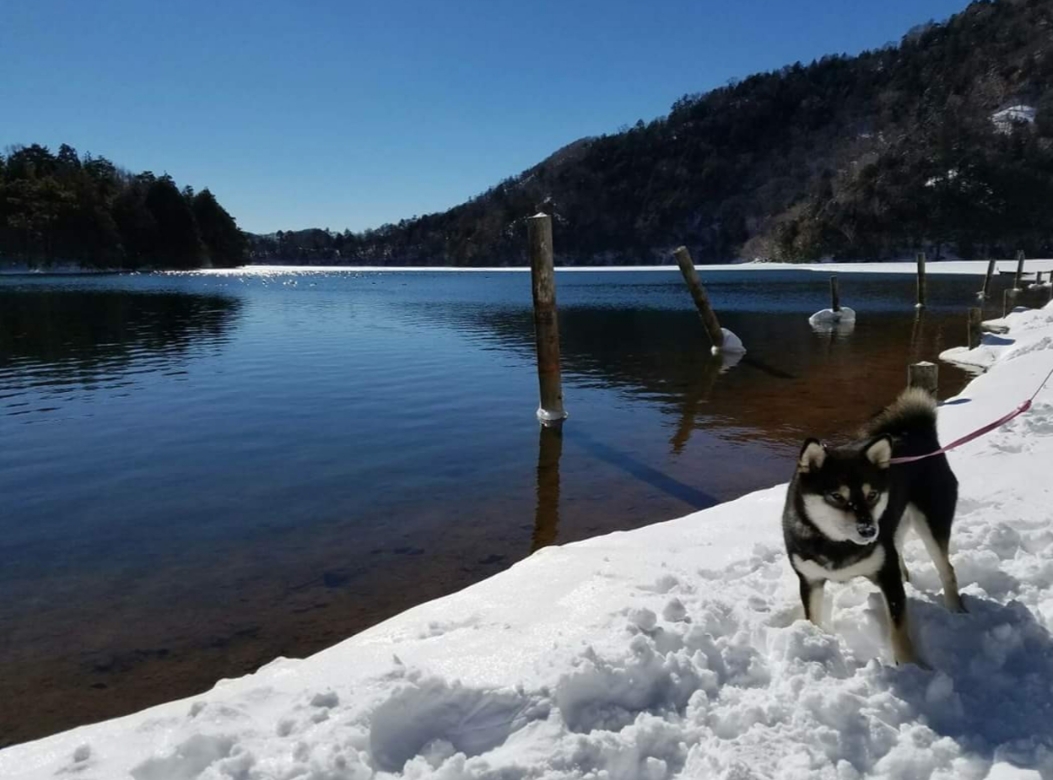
(812, 598)
(889, 579)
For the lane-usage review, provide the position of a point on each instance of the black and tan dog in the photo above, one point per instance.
(848, 509)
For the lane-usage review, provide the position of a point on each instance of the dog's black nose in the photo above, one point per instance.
(866, 531)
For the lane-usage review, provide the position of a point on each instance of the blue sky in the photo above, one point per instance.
(351, 114)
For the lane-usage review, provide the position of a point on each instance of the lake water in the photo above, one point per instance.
(202, 472)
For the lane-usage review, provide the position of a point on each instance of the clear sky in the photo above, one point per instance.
(330, 113)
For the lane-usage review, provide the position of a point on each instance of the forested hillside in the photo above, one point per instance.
(942, 142)
(61, 208)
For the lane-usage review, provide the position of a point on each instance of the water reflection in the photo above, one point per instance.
(698, 393)
(791, 381)
(546, 513)
(53, 341)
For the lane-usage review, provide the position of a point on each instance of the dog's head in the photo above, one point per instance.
(845, 490)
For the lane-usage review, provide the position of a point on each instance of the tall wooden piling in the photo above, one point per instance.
(924, 375)
(546, 325)
(1019, 283)
(976, 318)
(698, 293)
(985, 292)
(921, 281)
(835, 299)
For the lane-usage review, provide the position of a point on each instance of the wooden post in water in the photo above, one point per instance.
(835, 299)
(1019, 283)
(698, 293)
(921, 281)
(546, 325)
(1038, 277)
(976, 318)
(984, 293)
(925, 375)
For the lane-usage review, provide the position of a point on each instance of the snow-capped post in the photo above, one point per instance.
(984, 294)
(976, 318)
(921, 281)
(835, 299)
(698, 293)
(546, 326)
(925, 375)
(1019, 283)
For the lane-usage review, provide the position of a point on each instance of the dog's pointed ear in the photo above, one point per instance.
(813, 454)
(879, 452)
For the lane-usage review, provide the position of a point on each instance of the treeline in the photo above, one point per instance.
(85, 210)
(864, 157)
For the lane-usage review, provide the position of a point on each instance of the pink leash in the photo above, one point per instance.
(980, 432)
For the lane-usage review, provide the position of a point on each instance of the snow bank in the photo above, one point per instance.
(1015, 332)
(677, 650)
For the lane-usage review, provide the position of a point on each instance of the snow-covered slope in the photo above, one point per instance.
(677, 650)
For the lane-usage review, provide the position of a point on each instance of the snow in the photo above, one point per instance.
(1013, 335)
(546, 415)
(732, 344)
(968, 267)
(1005, 119)
(677, 650)
(951, 175)
(830, 317)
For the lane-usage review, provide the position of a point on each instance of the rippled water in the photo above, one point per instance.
(201, 472)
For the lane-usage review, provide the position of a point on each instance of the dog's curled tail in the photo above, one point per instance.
(912, 414)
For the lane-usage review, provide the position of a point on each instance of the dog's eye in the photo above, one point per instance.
(835, 497)
(872, 496)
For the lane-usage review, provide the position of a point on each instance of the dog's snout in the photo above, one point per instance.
(866, 530)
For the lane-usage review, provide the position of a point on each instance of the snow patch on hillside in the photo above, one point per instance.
(1007, 118)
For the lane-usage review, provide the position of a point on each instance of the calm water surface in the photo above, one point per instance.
(202, 472)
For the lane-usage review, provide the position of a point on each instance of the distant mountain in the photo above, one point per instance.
(944, 142)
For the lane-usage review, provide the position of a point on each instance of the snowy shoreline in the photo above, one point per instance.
(934, 267)
(968, 267)
(675, 650)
